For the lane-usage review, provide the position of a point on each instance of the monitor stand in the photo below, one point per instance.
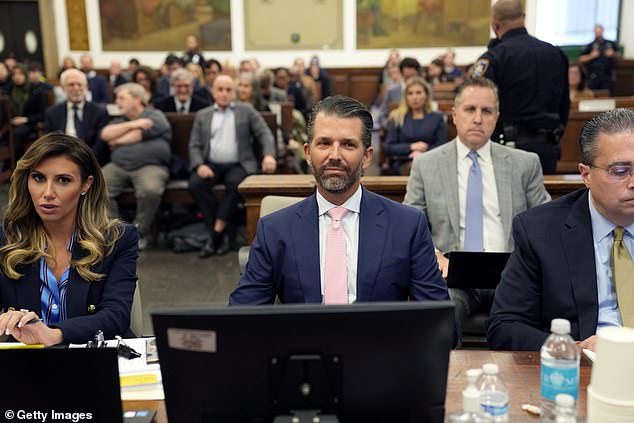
(307, 416)
(305, 385)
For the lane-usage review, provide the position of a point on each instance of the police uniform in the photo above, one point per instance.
(599, 69)
(532, 77)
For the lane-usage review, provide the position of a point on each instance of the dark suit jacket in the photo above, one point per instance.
(396, 256)
(98, 87)
(112, 296)
(250, 129)
(550, 274)
(167, 104)
(94, 118)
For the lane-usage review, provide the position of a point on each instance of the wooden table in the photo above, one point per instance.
(255, 187)
(519, 370)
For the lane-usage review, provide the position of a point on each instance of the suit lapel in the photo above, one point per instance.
(77, 290)
(503, 180)
(28, 288)
(578, 246)
(305, 234)
(372, 232)
(448, 170)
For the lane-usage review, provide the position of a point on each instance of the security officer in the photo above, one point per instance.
(598, 57)
(532, 77)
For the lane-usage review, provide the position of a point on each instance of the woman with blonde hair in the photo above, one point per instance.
(412, 127)
(67, 270)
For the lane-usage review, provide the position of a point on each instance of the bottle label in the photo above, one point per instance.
(495, 410)
(557, 380)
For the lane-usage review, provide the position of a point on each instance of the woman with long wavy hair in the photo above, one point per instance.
(413, 128)
(67, 270)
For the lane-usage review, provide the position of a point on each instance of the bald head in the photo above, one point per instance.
(223, 91)
(506, 15)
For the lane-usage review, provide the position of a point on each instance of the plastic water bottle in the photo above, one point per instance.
(494, 397)
(565, 411)
(471, 411)
(559, 367)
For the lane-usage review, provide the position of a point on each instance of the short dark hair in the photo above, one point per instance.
(347, 108)
(172, 59)
(211, 62)
(609, 123)
(134, 61)
(409, 62)
(479, 82)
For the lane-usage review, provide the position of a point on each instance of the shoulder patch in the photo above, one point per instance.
(480, 68)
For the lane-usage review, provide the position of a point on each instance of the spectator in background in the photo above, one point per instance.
(132, 65)
(115, 75)
(192, 51)
(409, 68)
(577, 83)
(212, 69)
(139, 141)
(146, 77)
(183, 100)
(246, 66)
(78, 117)
(293, 88)
(28, 106)
(197, 73)
(39, 82)
(67, 63)
(452, 73)
(599, 57)
(172, 62)
(249, 92)
(320, 75)
(436, 72)
(221, 150)
(269, 93)
(10, 61)
(309, 90)
(229, 68)
(97, 85)
(413, 128)
(393, 59)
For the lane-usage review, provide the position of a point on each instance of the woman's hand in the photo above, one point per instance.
(420, 146)
(26, 327)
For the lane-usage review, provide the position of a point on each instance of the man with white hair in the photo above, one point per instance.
(139, 141)
(183, 100)
(78, 117)
(97, 85)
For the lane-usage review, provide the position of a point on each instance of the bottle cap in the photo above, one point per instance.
(471, 394)
(490, 369)
(560, 326)
(565, 400)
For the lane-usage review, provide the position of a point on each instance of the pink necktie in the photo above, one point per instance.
(336, 271)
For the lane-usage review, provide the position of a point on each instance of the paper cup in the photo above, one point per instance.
(613, 371)
(604, 410)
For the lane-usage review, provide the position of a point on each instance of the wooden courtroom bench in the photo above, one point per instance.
(255, 187)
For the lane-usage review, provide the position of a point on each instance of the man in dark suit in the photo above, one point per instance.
(78, 117)
(385, 252)
(97, 85)
(573, 256)
(183, 100)
(221, 151)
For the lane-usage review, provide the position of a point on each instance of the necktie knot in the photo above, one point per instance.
(75, 108)
(336, 214)
(618, 234)
(473, 155)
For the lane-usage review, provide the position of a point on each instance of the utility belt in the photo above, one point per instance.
(514, 135)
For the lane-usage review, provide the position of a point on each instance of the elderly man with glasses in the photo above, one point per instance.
(573, 256)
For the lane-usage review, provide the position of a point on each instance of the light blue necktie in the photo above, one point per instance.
(473, 238)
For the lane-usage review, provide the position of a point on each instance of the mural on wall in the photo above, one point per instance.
(422, 23)
(162, 25)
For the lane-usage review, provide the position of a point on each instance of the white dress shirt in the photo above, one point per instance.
(186, 105)
(223, 145)
(493, 231)
(350, 224)
(70, 120)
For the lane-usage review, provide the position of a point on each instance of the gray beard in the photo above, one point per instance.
(337, 184)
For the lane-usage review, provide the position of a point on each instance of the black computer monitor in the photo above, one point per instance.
(76, 384)
(366, 362)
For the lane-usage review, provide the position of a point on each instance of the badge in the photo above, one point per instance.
(480, 68)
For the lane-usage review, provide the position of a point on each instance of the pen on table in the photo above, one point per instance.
(33, 320)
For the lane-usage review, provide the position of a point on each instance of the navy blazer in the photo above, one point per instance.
(550, 274)
(111, 296)
(98, 87)
(396, 256)
(167, 104)
(94, 118)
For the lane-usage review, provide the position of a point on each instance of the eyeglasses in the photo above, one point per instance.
(617, 172)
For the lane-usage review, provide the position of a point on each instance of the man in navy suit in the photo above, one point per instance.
(78, 117)
(97, 85)
(561, 265)
(183, 100)
(388, 253)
